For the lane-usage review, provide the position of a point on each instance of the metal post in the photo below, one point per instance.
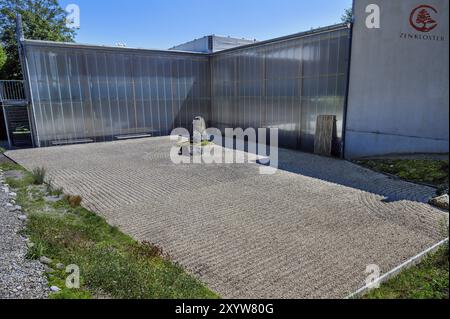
(5, 117)
(19, 29)
(23, 62)
(347, 90)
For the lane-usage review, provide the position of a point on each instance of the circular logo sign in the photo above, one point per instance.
(423, 18)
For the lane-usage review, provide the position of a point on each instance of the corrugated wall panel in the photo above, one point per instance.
(284, 84)
(99, 94)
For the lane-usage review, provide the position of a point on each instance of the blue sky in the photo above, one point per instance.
(161, 24)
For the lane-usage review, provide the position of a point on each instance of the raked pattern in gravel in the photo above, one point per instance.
(308, 231)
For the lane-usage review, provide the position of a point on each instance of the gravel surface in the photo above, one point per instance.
(20, 278)
(308, 231)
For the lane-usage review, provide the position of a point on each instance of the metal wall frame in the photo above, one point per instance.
(95, 93)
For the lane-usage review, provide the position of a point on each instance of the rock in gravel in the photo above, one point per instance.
(30, 245)
(59, 266)
(49, 270)
(441, 202)
(22, 217)
(55, 289)
(12, 194)
(45, 260)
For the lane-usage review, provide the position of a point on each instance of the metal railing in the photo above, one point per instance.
(12, 90)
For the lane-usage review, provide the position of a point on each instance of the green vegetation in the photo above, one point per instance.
(2, 59)
(111, 263)
(38, 174)
(42, 20)
(432, 172)
(51, 190)
(428, 280)
(347, 17)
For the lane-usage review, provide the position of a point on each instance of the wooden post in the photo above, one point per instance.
(325, 134)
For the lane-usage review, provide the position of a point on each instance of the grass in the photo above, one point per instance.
(433, 172)
(428, 280)
(39, 174)
(111, 263)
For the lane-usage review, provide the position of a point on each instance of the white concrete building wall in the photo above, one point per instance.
(399, 79)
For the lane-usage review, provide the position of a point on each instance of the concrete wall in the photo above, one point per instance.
(399, 80)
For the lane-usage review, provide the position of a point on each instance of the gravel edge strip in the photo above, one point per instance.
(20, 278)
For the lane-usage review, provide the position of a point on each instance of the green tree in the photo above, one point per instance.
(347, 17)
(2, 59)
(42, 20)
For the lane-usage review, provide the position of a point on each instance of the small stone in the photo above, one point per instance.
(59, 266)
(9, 205)
(45, 260)
(22, 217)
(441, 202)
(30, 245)
(12, 194)
(53, 199)
(49, 270)
(55, 289)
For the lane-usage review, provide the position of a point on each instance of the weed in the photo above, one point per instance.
(38, 174)
(57, 191)
(146, 250)
(73, 200)
(51, 190)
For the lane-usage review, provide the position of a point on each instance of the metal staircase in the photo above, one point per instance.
(15, 110)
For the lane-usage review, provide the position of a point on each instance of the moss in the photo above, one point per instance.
(432, 172)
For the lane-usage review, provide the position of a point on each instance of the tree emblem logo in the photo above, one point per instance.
(421, 18)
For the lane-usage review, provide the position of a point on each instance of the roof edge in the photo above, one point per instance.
(106, 47)
(334, 27)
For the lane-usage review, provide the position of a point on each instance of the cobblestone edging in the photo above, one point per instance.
(20, 278)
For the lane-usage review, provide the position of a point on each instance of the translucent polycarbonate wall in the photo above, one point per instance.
(99, 94)
(92, 93)
(284, 84)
